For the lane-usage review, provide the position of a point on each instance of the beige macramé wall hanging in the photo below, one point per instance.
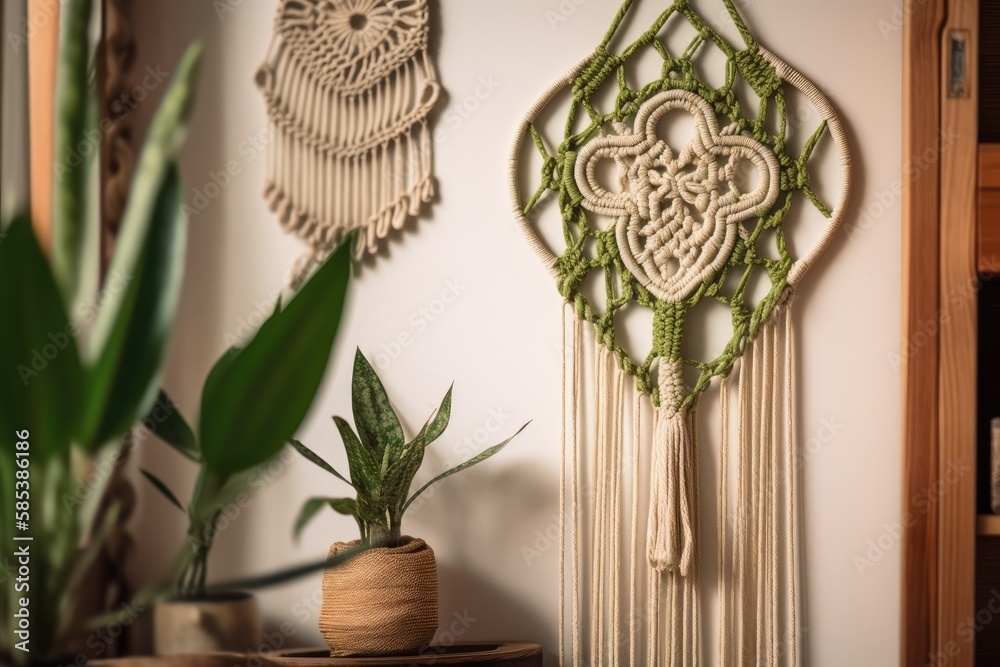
(349, 86)
(677, 231)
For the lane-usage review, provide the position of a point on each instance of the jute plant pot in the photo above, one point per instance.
(382, 602)
(230, 623)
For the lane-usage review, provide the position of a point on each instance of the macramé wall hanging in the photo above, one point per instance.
(349, 86)
(677, 234)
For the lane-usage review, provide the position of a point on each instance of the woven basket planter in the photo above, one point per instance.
(382, 602)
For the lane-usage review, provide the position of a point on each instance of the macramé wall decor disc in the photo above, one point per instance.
(674, 229)
(349, 86)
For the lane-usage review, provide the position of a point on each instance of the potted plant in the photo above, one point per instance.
(385, 600)
(253, 401)
(72, 386)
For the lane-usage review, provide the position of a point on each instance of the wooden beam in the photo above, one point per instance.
(920, 303)
(959, 295)
(43, 50)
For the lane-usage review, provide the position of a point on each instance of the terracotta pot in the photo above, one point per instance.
(381, 602)
(229, 623)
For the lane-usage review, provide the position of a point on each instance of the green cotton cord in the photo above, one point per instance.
(763, 251)
(748, 38)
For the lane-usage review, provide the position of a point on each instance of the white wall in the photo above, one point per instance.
(499, 340)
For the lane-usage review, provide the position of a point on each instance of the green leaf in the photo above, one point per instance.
(378, 425)
(399, 478)
(253, 404)
(365, 474)
(162, 488)
(75, 99)
(284, 576)
(41, 379)
(167, 423)
(315, 459)
(123, 385)
(468, 464)
(208, 495)
(132, 328)
(165, 136)
(439, 420)
(345, 506)
(220, 369)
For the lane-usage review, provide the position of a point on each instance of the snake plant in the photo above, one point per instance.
(79, 367)
(382, 463)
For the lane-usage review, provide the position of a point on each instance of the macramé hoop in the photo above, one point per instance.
(785, 71)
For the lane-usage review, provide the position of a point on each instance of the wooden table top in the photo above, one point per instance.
(507, 654)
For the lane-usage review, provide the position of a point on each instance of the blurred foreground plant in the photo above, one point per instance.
(71, 387)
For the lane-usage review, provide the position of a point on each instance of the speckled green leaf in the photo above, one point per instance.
(314, 458)
(75, 121)
(378, 426)
(399, 478)
(365, 473)
(468, 464)
(438, 421)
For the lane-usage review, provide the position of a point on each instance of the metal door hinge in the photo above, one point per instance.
(958, 64)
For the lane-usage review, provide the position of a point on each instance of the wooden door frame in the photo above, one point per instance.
(940, 146)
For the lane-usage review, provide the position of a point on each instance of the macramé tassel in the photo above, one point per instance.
(671, 531)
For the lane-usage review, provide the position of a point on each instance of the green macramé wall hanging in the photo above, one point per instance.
(679, 234)
(349, 85)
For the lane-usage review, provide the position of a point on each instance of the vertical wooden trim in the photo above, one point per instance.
(957, 387)
(43, 50)
(920, 303)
